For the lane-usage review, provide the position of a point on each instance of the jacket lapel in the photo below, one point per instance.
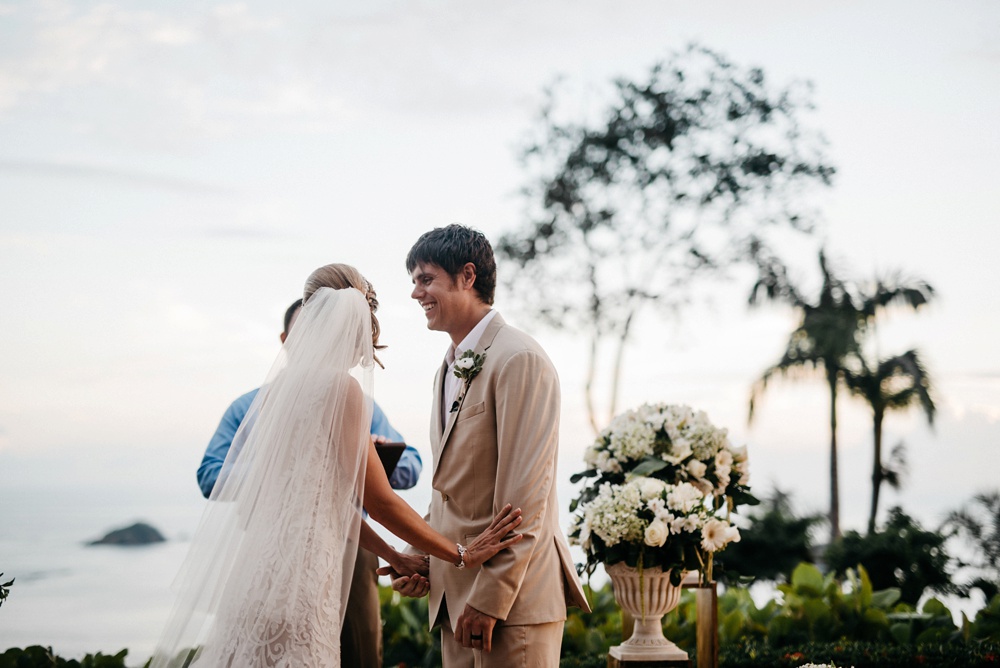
(485, 341)
(437, 428)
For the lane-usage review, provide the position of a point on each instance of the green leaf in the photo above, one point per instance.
(806, 578)
(885, 598)
(647, 467)
(900, 633)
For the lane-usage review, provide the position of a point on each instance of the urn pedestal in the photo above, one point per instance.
(647, 595)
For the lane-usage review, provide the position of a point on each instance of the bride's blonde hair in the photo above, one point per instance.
(340, 276)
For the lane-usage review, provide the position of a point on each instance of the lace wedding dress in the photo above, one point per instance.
(268, 573)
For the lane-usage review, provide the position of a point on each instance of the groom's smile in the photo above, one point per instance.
(450, 304)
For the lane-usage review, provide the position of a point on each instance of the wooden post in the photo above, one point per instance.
(706, 619)
(707, 625)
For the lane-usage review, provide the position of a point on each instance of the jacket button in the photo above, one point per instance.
(444, 497)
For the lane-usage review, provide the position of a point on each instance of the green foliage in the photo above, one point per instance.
(773, 543)
(986, 625)
(977, 524)
(902, 555)
(756, 654)
(867, 628)
(406, 640)
(37, 656)
(5, 589)
(592, 633)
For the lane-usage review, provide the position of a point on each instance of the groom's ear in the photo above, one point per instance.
(467, 275)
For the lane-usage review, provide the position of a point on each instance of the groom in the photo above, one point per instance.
(495, 439)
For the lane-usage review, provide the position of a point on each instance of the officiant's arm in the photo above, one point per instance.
(527, 414)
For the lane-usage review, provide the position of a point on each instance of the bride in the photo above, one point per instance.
(268, 573)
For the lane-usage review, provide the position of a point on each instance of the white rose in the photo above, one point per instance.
(465, 363)
(650, 488)
(684, 497)
(656, 533)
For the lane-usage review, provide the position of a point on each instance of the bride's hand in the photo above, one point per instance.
(406, 564)
(498, 536)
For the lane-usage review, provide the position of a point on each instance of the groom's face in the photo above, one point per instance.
(438, 293)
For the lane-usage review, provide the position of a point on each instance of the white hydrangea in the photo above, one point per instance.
(631, 438)
(613, 514)
(605, 462)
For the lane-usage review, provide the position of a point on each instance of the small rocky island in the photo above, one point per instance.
(139, 533)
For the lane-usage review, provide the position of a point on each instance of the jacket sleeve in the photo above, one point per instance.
(527, 415)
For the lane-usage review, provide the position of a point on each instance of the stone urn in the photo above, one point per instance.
(647, 595)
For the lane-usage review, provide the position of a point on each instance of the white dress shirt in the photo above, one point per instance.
(452, 383)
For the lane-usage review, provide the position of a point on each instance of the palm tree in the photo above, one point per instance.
(978, 523)
(894, 384)
(830, 333)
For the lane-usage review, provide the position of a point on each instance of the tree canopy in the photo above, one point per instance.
(688, 170)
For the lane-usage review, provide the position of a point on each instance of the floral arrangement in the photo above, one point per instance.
(666, 481)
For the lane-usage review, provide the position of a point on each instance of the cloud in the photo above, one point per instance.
(45, 169)
(148, 77)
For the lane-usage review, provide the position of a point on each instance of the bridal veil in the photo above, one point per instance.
(268, 573)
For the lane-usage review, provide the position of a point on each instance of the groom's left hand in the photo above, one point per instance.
(475, 629)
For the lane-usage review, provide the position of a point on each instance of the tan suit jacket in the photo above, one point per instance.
(500, 446)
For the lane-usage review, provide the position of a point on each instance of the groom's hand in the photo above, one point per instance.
(412, 586)
(475, 629)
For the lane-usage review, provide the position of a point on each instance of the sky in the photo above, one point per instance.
(170, 172)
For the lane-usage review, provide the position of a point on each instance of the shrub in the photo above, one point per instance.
(902, 555)
(772, 544)
(755, 654)
(37, 656)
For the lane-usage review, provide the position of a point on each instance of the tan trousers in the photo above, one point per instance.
(361, 637)
(517, 646)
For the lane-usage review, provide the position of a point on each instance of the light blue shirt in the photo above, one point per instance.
(404, 477)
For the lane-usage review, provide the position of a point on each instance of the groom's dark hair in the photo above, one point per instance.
(451, 248)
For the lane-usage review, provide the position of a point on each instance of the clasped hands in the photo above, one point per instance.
(410, 576)
(473, 629)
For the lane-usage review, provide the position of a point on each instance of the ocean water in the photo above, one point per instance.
(82, 599)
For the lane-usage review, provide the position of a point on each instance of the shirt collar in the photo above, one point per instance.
(471, 339)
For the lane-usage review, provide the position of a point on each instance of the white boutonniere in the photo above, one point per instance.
(467, 367)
